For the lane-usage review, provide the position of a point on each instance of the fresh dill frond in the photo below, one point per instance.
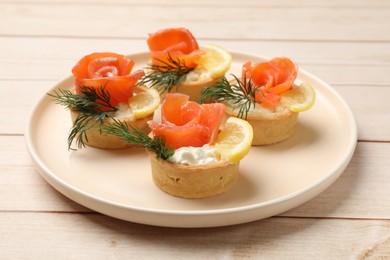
(81, 125)
(93, 105)
(166, 75)
(132, 135)
(239, 96)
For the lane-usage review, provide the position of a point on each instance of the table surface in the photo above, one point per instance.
(346, 43)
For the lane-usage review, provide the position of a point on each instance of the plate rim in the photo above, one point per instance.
(332, 174)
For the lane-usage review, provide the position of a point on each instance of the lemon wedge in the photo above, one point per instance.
(300, 98)
(216, 60)
(144, 103)
(235, 140)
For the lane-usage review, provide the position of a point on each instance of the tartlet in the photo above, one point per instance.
(105, 90)
(178, 65)
(266, 97)
(199, 131)
(191, 154)
(193, 181)
(95, 138)
(269, 125)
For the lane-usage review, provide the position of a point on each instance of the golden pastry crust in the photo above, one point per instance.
(273, 130)
(193, 181)
(270, 128)
(191, 87)
(103, 141)
(194, 88)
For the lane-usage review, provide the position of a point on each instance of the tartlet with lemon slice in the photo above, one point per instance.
(192, 155)
(178, 64)
(266, 96)
(106, 90)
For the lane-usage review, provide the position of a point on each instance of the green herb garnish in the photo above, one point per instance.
(132, 135)
(94, 107)
(165, 76)
(238, 96)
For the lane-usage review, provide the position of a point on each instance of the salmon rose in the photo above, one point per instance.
(174, 43)
(109, 70)
(274, 78)
(187, 123)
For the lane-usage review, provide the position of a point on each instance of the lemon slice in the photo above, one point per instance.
(144, 103)
(216, 61)
(235, 140)
(300, 98)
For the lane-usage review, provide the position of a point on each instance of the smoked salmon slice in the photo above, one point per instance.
(187, 123)
(194, 135)
(273, 77)
(176, 43)
(178, 110)
(109, 70)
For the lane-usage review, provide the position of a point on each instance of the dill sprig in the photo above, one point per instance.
(239, 96)
(166, 75)
(132, 135)
(93, 105)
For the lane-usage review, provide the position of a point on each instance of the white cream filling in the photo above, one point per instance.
(197, 74)
(124, 111)
(260, 111)
(194, 155)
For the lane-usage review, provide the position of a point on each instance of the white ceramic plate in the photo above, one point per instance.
(273, 179)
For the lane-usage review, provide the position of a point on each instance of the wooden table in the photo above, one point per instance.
(346, 43)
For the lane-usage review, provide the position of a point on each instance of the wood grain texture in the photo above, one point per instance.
(80, 236)
(225, 3)
(250, 22)
(313, 52)
(364, 182)
(346, 43)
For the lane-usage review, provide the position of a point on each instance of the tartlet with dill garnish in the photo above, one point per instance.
(266, 97)
(105, 90)
(189, 156)
(177, 64)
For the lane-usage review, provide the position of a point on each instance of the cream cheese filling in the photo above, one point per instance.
(195, 155)
(124, 111)
(259, 110)
(197, 74)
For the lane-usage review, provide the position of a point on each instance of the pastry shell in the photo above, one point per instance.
(187, 181)
(270, 129)
(103, 141)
